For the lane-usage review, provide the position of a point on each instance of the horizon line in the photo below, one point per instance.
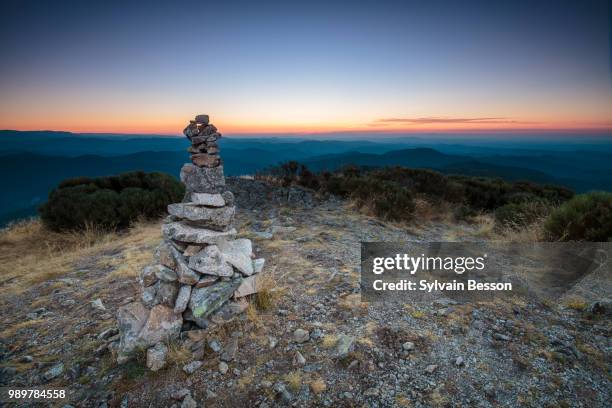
(601, 132)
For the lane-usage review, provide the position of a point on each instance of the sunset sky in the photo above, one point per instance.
(284, 67)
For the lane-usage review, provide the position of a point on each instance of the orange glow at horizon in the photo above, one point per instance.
(173, 126)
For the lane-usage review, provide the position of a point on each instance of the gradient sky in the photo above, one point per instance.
(305, 66)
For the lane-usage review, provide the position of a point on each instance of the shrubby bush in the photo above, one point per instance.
(586, 217)
(109, 202)
(516, 215)
(385, 199)
(515, 203)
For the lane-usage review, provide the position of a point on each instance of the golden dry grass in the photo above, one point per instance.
(576, 304)
(10, 332)
(486, 228)
(178, 354)
(353, 302)
(530, 233)
(318, 386)
(32, 254)
(329, 341)
(132, 262)
(425, 211)
(294, 380)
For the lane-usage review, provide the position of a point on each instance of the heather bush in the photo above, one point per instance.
(390, 191)
(586, 217)
(385, 199)
(109, 202)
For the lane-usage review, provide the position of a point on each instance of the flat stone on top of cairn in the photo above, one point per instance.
(201, 269)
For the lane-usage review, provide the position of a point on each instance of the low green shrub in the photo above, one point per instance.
(109, 202)
(386, 199)
(586, 217)
(390, 191)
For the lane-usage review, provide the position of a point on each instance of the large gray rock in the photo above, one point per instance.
(156, 357)
(230, 349)
(54, 372)
(210, 261)
(164, 274)
(189, 402)
(202, 119)
(206, 280)
(166, 293)
(191, 130)
(214, 218)
(191, 250)
(191, 367)
(148, 276)
(149, 295)
(182, 299)
(204, 301)
(203, 140)
(185, 274)
(205, 160)
(258, 265)
(344, 346)
(229, 311)
(164, 256)
(301, 336)
(228, 196)
(211, 200)
(162, 325)
(210, 130)
(249, 286)
(238, 253)
(203, 179)
(258, 194)
(131, 318)
(189, 234)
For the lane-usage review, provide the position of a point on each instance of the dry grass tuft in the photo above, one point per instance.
(294, 380)
(530, 233)
(576, 304)
(10, 332)
(486, 228)
(318, 386)
(353, 302)
(178, 354)
(252, 314)
(131, 264)
(418, 314)
(329, 341)
(268, 292)
(425, 211)
(264, 299)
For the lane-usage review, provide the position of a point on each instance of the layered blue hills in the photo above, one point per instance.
(32, 163)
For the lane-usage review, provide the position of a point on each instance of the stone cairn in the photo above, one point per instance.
(201, 272)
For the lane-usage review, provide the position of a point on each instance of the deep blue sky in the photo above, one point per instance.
(305, 66)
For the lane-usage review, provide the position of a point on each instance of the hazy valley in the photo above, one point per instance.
(32, 163)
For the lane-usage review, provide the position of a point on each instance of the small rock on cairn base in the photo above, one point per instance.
(201, 270)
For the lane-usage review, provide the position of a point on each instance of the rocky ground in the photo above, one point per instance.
(307, 340)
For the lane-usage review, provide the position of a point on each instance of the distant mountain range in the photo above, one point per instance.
(32, 163)
(431, 159)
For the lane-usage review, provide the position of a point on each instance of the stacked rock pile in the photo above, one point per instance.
(202, 273)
